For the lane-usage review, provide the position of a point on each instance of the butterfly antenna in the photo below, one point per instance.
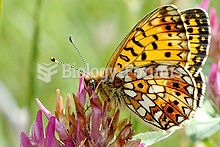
(79, 53)
(71, 66)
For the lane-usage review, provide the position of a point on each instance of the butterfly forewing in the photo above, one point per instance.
(158, 37)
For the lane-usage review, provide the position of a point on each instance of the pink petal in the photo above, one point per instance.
(69, 142)
(81, 91)
(82, 98)
(141, 145)
(204, 4)
(62, 132)
(25, 142)
(90, 91)
(37, 133)
(96, 118)
(214, 81)
(46, 112)
(79, 133)
(50, 134)
(212, 75)
(217, 90)
(214, 20)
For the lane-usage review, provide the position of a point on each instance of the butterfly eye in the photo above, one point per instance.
(92, 83)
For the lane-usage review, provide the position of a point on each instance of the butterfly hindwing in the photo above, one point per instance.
(161, 94)
(199, 34)
(201, 86)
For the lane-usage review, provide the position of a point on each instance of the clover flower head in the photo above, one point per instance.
(94, 123)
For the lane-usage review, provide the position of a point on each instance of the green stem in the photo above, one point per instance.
(34, 55)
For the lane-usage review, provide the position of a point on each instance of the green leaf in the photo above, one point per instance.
(202, 126)
(150, 138)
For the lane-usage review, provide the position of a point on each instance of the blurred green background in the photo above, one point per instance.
(33, 31)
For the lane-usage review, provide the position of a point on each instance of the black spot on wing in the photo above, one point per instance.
(142, 31)
(125, 58)
(131, 50)
(136, 42)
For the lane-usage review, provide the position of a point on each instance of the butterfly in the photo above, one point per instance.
(156, 70)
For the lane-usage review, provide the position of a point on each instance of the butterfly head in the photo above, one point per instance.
(92, 80)
(92, 83)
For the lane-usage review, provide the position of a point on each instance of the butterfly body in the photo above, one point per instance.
(156, 70)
